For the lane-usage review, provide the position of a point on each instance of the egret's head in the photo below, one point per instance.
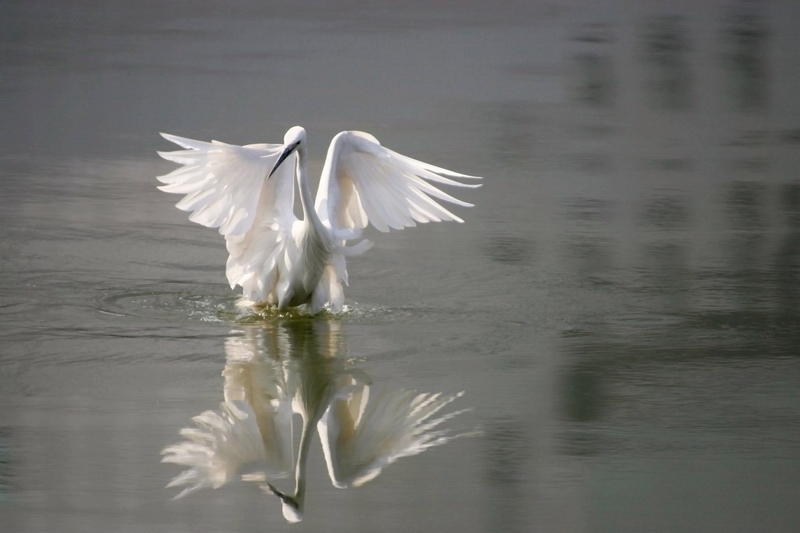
(292, 507)
(294, 139)
(295, 134)
(292, 512)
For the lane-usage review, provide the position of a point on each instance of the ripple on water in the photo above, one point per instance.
(186, 305)
(354, 312)
(644, 326)
(168, 304)
(365, 314)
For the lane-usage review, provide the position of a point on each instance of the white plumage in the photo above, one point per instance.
(362, 432)
(299, 368)
(248, 193)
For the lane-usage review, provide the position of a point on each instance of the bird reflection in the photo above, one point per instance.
(297, 367)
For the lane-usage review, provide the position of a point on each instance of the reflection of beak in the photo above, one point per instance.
(291, 506)
(284, 498)
(286, 153)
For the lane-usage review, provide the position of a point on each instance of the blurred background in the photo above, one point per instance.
(620, 307)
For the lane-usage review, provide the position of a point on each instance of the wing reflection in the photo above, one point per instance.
(297, 367)
(360, 435)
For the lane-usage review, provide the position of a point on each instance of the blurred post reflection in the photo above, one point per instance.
(297, 367)
(666, 49)
(747, 35)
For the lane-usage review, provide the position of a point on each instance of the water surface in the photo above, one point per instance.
(620, 308)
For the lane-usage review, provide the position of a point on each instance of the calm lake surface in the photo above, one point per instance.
(621, 308)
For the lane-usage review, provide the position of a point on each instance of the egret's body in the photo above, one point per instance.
(285, 369)
(248, 193)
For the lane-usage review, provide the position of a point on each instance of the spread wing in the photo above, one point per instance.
(222, 445)
(363, 182)
(362, 432)
(226, 187)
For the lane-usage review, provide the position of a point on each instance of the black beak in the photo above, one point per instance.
(285, 498)
(286, 153)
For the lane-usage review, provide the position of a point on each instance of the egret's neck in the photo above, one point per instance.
(302, 459)
(309, 213)
(293, 505)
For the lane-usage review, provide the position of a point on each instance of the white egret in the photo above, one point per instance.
(248, 193)
(299, 368)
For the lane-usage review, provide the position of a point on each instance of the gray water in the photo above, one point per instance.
(620, 307)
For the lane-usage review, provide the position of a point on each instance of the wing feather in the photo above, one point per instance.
(223, 183)
(364, 183)
(364, 430)
(226, 187)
